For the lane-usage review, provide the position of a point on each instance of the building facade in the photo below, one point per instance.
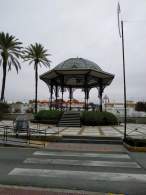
(117, 108)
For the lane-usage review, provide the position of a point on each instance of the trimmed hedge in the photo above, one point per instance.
(135, 142)
(93, 118)
(48, 116)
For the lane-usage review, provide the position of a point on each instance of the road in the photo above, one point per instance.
(117, 172)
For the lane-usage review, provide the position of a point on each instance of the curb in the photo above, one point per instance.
(48, 191)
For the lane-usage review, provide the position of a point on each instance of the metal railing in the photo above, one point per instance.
(30, 136)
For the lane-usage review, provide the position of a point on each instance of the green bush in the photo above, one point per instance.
(4, 108)
(1, 115)
(48, 115)
(135, 142)
(98, 118)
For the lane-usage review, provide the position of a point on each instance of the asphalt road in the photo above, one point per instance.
(88, 171)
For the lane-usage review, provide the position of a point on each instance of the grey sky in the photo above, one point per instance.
(83, 28)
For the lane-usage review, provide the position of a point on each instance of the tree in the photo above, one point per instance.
(38, 55)
(140, 106)
(10, 52)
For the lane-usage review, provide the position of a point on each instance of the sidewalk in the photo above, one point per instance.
(86, 147)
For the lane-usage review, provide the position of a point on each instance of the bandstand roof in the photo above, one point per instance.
(75, 72)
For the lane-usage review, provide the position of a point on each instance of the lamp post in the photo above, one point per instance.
(124, 78)
(121, 33)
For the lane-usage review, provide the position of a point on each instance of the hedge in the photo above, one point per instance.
(135, 142)
(94, 118)
(48, 116)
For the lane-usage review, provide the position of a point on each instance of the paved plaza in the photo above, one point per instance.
(133, 130)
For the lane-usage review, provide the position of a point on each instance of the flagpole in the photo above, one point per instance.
(124, 77)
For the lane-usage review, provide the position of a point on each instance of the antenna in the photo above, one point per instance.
(118, 15)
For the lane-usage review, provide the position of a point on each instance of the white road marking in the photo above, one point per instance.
(78, 154)
(82, 162)
(79, 175)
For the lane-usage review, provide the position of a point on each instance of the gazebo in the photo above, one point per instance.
(76, 73)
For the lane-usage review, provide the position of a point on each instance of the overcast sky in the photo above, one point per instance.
(78, 28)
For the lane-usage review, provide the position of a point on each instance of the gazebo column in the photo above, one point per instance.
(100, 96)
(70, 97)
(85, 90)
(86, 98)
(62, 91)
(51, 95)
(88, 90)
(56, 95)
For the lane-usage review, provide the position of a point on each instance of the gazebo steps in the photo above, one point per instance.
(70, 119)
(68, 125)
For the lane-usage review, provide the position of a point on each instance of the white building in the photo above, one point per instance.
(117, 108)
(20, 107)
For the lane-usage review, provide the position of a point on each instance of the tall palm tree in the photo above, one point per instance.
(10, 52)
(38, 55)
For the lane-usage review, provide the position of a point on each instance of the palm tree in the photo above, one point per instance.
(38, 55)
(10, 51)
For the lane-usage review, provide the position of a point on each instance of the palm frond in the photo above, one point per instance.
(38, 54)
(11, 50)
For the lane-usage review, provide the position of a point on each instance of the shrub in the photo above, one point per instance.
(135, 142)
(140, 106)
(48, 115)
(1, 115)
(98, 118)
(17, 110)
(4, 107)
(29, 110)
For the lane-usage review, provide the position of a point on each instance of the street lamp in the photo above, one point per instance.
(121, 33)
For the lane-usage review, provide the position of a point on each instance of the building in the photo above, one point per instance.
(117, 108)
(20, 107)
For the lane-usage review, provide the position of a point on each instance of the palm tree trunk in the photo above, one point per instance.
(3, 80)
(36, 86)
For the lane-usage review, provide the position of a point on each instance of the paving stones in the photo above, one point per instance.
(71, 131)
(133, 130)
